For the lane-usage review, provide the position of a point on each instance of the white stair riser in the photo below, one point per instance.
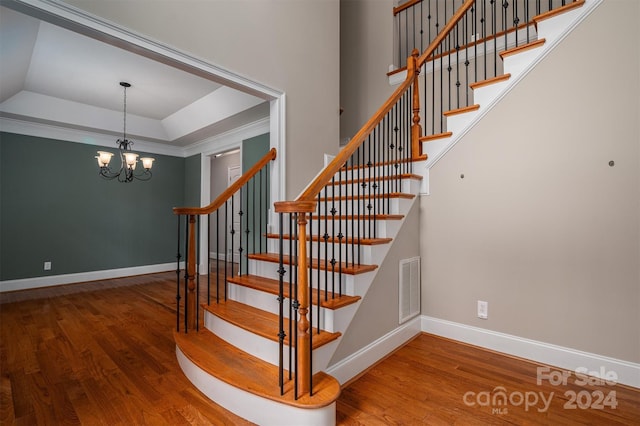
(360, 206)
(381, 228)
(330, 319)
(485, 94)
(352, 285)
(408, 186)
(456, 123)
(261, 347)
(364, 254)
(520, 62)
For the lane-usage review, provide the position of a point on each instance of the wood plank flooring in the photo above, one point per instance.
(102, 353)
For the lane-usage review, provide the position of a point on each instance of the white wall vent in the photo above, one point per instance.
(409, 288)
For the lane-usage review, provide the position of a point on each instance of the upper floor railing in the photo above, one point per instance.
(418, 22)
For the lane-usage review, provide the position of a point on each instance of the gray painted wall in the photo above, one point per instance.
(378, 312)
(54, 207)
(541, 227)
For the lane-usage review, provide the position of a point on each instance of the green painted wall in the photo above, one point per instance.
(54, 207)
(193, 170)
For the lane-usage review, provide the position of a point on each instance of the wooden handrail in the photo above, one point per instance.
(332, 168)
(445, 31)
(228, 193)
(405, 6)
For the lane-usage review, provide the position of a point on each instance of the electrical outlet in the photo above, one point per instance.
(483, 309)
(47, 266)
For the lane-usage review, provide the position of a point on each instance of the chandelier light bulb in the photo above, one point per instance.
(104, 158)
(147, 162)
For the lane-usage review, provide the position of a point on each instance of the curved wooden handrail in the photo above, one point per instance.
(228, 193)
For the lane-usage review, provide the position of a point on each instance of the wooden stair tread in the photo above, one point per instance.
(244, 371)
(347, 240)
(261, 323)
(379, 178)
(461, 110)
(436, 136)
(322, 264)
(269, 285)
(522, 48)
(489, 81)
(367, 196)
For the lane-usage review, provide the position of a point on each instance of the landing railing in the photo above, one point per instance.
(417, 22)
(237, 225)
(469, 53)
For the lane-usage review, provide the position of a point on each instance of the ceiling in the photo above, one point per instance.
(53, 76)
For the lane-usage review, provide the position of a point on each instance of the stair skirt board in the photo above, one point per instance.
(251, 407)
(262, 347)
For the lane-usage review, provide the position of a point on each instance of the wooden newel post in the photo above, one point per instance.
(191, 275)
(416, 128)
(304, 351)
(302, 208)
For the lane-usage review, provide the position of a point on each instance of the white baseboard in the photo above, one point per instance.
(52, 280)
(359, 361)
(628, 373)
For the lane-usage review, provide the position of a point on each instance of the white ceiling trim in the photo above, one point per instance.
(55, 110)
(51, 131)
(214, 107)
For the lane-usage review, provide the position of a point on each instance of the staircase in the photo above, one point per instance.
(268, 332)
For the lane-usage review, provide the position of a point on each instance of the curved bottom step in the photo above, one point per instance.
(236, 381)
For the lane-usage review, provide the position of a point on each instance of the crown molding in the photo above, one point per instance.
(51, 131)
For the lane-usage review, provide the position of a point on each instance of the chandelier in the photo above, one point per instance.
(128, 159)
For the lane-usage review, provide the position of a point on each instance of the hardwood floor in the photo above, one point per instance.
(103, 353)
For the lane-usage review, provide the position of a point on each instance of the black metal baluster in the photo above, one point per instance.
(208, 259)
(226, 246)
(240, 248)
(333, 212)
(217, 234)
(186, 274)
(474, 31)
(198, 273)
(178, 256)
(249, 231)
(281, 333)
(483, 21)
